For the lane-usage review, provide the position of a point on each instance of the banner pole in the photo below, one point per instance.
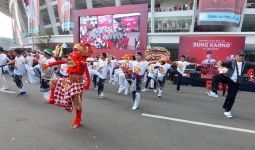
(242, 16)
(194, 16)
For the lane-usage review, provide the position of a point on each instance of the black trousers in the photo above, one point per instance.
(136, 87)
(100, 85)
(232, 92)
(18, 80)
(129, 78)
(45, 85)
(215, 82)
(95, 80)
(179, 81)
(148, 81)
(172, 72)
(161, 83)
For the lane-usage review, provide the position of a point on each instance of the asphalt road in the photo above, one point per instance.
(110, 124)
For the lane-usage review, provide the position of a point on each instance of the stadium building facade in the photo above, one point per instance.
(167, 21)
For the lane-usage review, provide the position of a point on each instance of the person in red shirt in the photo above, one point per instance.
(68, 90)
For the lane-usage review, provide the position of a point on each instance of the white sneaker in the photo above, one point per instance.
(160, 93)
(137, 101)
(228, 114)
(212, 94)
(155, 91)
(102, 95)
(4, 88)
(126, 92)
(135, 106)
(144, 90)
(121, 89)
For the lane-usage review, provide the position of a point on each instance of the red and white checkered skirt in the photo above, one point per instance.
(68, 91)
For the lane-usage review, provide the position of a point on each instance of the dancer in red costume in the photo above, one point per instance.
(67, 92)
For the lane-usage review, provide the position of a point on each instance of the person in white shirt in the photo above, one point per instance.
(163, 67)
(235, 77)
(152, 74)
(181, 67)
(102, 73)
(111, 66)
(29, 67)
(19, 71)
(125, 73)
(3, 62)
(138, 67)
(61, 71)
(46, 74)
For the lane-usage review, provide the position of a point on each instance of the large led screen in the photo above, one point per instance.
(118, 31)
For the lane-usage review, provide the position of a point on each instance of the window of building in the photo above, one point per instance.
(55, 8)
(248, 23)
(250, 4)
(149, 26)
(42, 2)
(61, 32)
(100, 3)
(45, 16)
(47, 31)
(130, 2)
(80, 4)
(173, 24)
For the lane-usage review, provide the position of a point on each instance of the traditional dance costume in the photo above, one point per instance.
(68, 90)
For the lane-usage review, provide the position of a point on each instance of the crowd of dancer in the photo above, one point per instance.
(63, 79)
(106, 37)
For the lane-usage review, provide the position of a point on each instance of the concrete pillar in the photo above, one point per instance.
(242, 17)
(52, 17)
(192, 26)
(152, 16)
(118, 2)
(89, 3)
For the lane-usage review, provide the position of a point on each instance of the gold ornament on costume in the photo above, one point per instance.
(58, 52)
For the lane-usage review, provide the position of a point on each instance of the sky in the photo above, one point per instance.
(5, 26)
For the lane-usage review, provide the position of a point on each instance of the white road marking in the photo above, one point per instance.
(6, 91)
(200, 123)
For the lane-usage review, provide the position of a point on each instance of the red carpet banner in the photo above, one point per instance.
(65, 12)
(209, 49)
(220, 12)
(32, 11)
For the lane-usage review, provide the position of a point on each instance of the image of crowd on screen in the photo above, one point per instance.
(108, 37)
